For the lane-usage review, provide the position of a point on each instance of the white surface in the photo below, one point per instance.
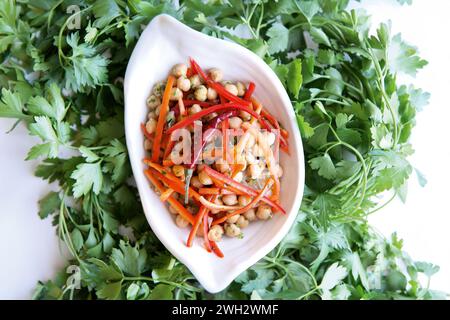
(164, 43)
(28, 246)
(424, 221)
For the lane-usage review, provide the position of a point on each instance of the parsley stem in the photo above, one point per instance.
(63, 27)
(384, 95)
(363, 163)
(326, 100)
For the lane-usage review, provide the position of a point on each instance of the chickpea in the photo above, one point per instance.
(264, 212)
(195, 80)
(204, 178)
(219, 202)
(241, 88)
(194, 109)
(181, 222)
(257, 151)
(176, 94)
(150, 126)
(216, 74)
(232, 230)
(212, 94)
(245, 115)
(235, 122)
(153, 101)
(183, 84)
(233, 219)
(151, 115)
(255, 170)
(242, 222)
(178, 171)
(179, 70)
(195, 181)
(230, 199)
(244, 200)
(172, 210)
(250, 215)
(215, 233)
(223, 167)
(148, 145)
(157, 111)
(231, 88)
(201, 93)
(158, 89)
(269, 137)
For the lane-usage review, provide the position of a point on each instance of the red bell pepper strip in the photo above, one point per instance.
(248, 94)
(249, 206)
(198, 220)
(188, 103)
(220, 107)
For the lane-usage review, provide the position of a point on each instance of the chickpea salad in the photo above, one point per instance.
(212, 153)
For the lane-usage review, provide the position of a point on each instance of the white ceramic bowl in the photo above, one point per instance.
(164, 43)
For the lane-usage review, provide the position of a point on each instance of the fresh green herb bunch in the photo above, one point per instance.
(61, 75)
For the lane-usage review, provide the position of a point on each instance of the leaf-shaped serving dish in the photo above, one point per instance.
(164, 43)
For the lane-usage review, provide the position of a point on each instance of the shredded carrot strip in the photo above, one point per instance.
(166, 194)
(205, 232)
(169, 147)
(176, 184)
(182, 211)
(168, 163)
(232, 184)
(247, 207)
(209, 191)
(162, 119)
(216, 191)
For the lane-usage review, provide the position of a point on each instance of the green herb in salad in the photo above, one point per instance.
(62, 64)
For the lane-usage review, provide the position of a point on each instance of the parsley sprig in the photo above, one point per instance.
(65, 85)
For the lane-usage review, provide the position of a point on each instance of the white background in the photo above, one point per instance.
(29, 249)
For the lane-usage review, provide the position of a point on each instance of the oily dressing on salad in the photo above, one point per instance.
(212, 153)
